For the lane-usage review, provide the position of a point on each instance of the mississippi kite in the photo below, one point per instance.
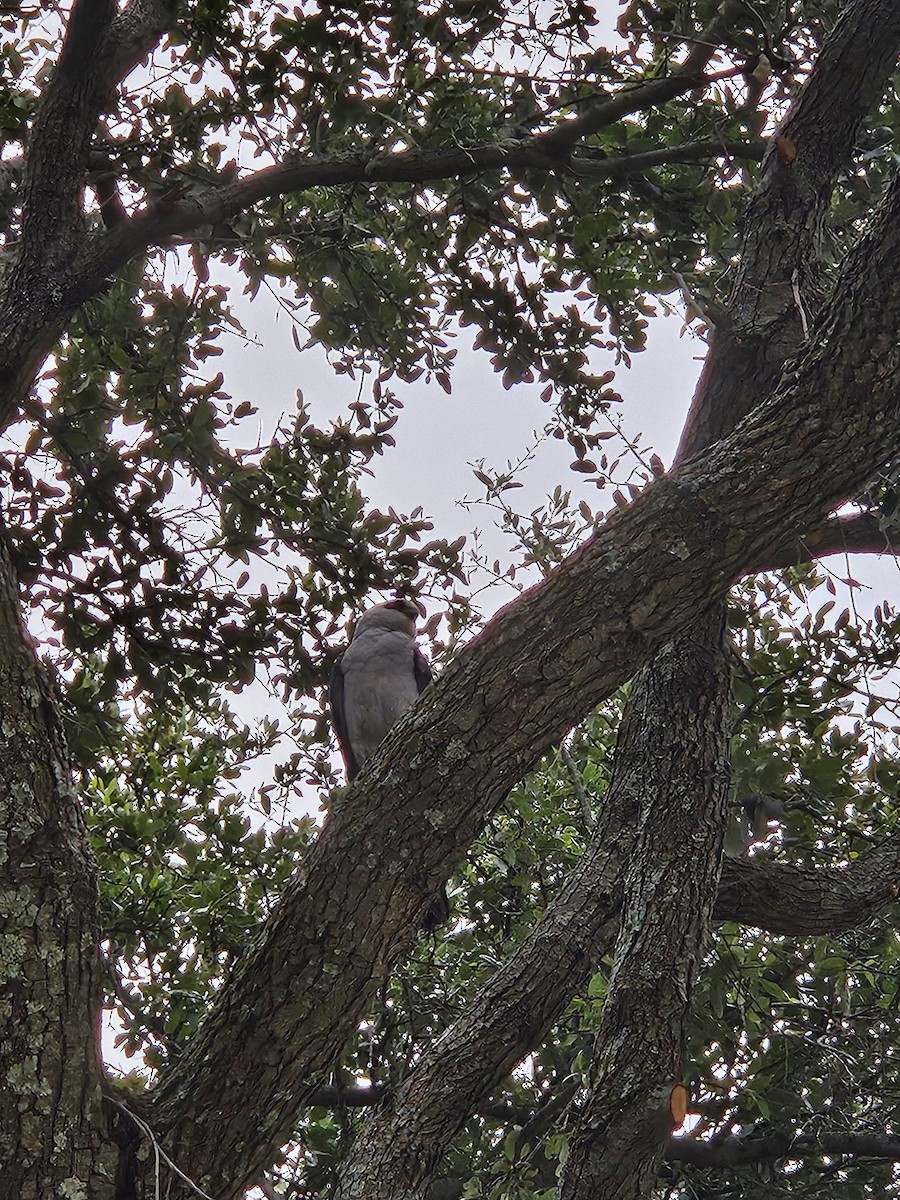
(378, 677)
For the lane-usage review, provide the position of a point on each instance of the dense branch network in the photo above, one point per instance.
(281, 1020)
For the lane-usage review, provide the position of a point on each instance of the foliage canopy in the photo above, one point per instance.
(408, 179)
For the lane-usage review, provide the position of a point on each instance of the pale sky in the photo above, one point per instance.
(439, 435)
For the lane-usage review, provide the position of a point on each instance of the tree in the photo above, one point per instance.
(489, 165)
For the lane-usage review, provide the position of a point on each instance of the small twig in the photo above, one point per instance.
(587, 810)
(159, 1153)
(798, 301)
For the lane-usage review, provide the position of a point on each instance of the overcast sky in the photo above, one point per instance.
(438, 436)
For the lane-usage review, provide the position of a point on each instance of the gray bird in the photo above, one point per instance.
(378, 677)
(375, 681)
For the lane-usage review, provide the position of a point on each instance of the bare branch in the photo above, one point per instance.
(560, 140)
(181, 215)
(587, 808)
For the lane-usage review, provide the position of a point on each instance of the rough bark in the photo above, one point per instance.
(810, 901)
(53, 1130)
(679, 733)
(50, 981)
(618, 1136)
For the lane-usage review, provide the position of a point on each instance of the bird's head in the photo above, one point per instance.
(399, 614)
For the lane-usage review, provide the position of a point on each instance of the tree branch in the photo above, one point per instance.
(599, 114)
(672, 770)
(741, 1151)
(36, 301)
(137, 31)
(809, 901)
(622, 166)
(181, 215)
(393, 837)
(856, 533)
(729, 1152)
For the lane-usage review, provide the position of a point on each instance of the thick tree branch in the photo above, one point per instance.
(809, 901)
(672, 767)
(99, 48)
(613, 167)
(36, 299)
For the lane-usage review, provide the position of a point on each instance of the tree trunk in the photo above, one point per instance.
(673, 758)
(51, 1119)
(622, 1127)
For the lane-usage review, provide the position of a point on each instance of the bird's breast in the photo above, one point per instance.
(379, 686)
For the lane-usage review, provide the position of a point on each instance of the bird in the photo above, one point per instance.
(377, 678)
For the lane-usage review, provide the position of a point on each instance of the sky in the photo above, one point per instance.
(439, 436)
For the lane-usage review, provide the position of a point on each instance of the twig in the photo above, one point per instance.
(159, 1153)
(587, 810)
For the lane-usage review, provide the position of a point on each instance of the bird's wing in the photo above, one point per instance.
(422, 670)
(339, 720)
